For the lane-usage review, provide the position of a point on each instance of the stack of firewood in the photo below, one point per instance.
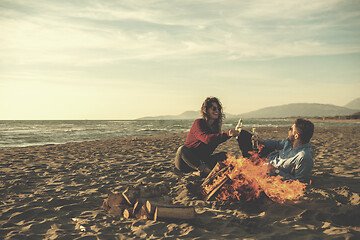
(209, 187)
(132, 204)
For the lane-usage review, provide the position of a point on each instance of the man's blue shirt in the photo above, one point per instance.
(293, 163)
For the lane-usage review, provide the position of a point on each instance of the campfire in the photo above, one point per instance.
(235, 179)
(246, 179)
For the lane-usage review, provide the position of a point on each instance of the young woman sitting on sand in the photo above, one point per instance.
(205, 135)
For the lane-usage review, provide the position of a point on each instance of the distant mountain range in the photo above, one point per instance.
(300, 110)
(354, 104)
(282, 111)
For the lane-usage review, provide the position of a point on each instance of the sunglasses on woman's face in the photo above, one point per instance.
(214, 108)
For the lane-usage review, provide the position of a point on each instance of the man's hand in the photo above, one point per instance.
(258, 139)
(272, 169)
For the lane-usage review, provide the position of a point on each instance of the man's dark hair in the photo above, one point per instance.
(305, 128)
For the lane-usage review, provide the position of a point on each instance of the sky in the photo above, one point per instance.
(98, 59)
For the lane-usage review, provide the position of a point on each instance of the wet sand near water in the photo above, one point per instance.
(56, 192)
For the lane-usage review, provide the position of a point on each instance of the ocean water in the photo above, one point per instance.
(31, 133)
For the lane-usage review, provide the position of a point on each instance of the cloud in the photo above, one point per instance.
(87, 33)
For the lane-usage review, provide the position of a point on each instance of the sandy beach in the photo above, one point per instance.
(57, 192)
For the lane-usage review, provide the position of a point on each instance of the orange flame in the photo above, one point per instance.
(249, 179)
(216, 182)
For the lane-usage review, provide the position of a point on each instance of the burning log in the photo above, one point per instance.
(216, 171)
(247, 179)
(216, 187)
(215, 180)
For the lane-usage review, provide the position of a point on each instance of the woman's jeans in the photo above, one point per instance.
(186, 160)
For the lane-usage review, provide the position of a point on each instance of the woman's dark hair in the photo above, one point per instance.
(204, 114)
(305, 129)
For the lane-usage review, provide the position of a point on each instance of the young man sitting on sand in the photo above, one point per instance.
(294, 158)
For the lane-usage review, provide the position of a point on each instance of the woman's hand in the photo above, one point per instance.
(233, 133)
